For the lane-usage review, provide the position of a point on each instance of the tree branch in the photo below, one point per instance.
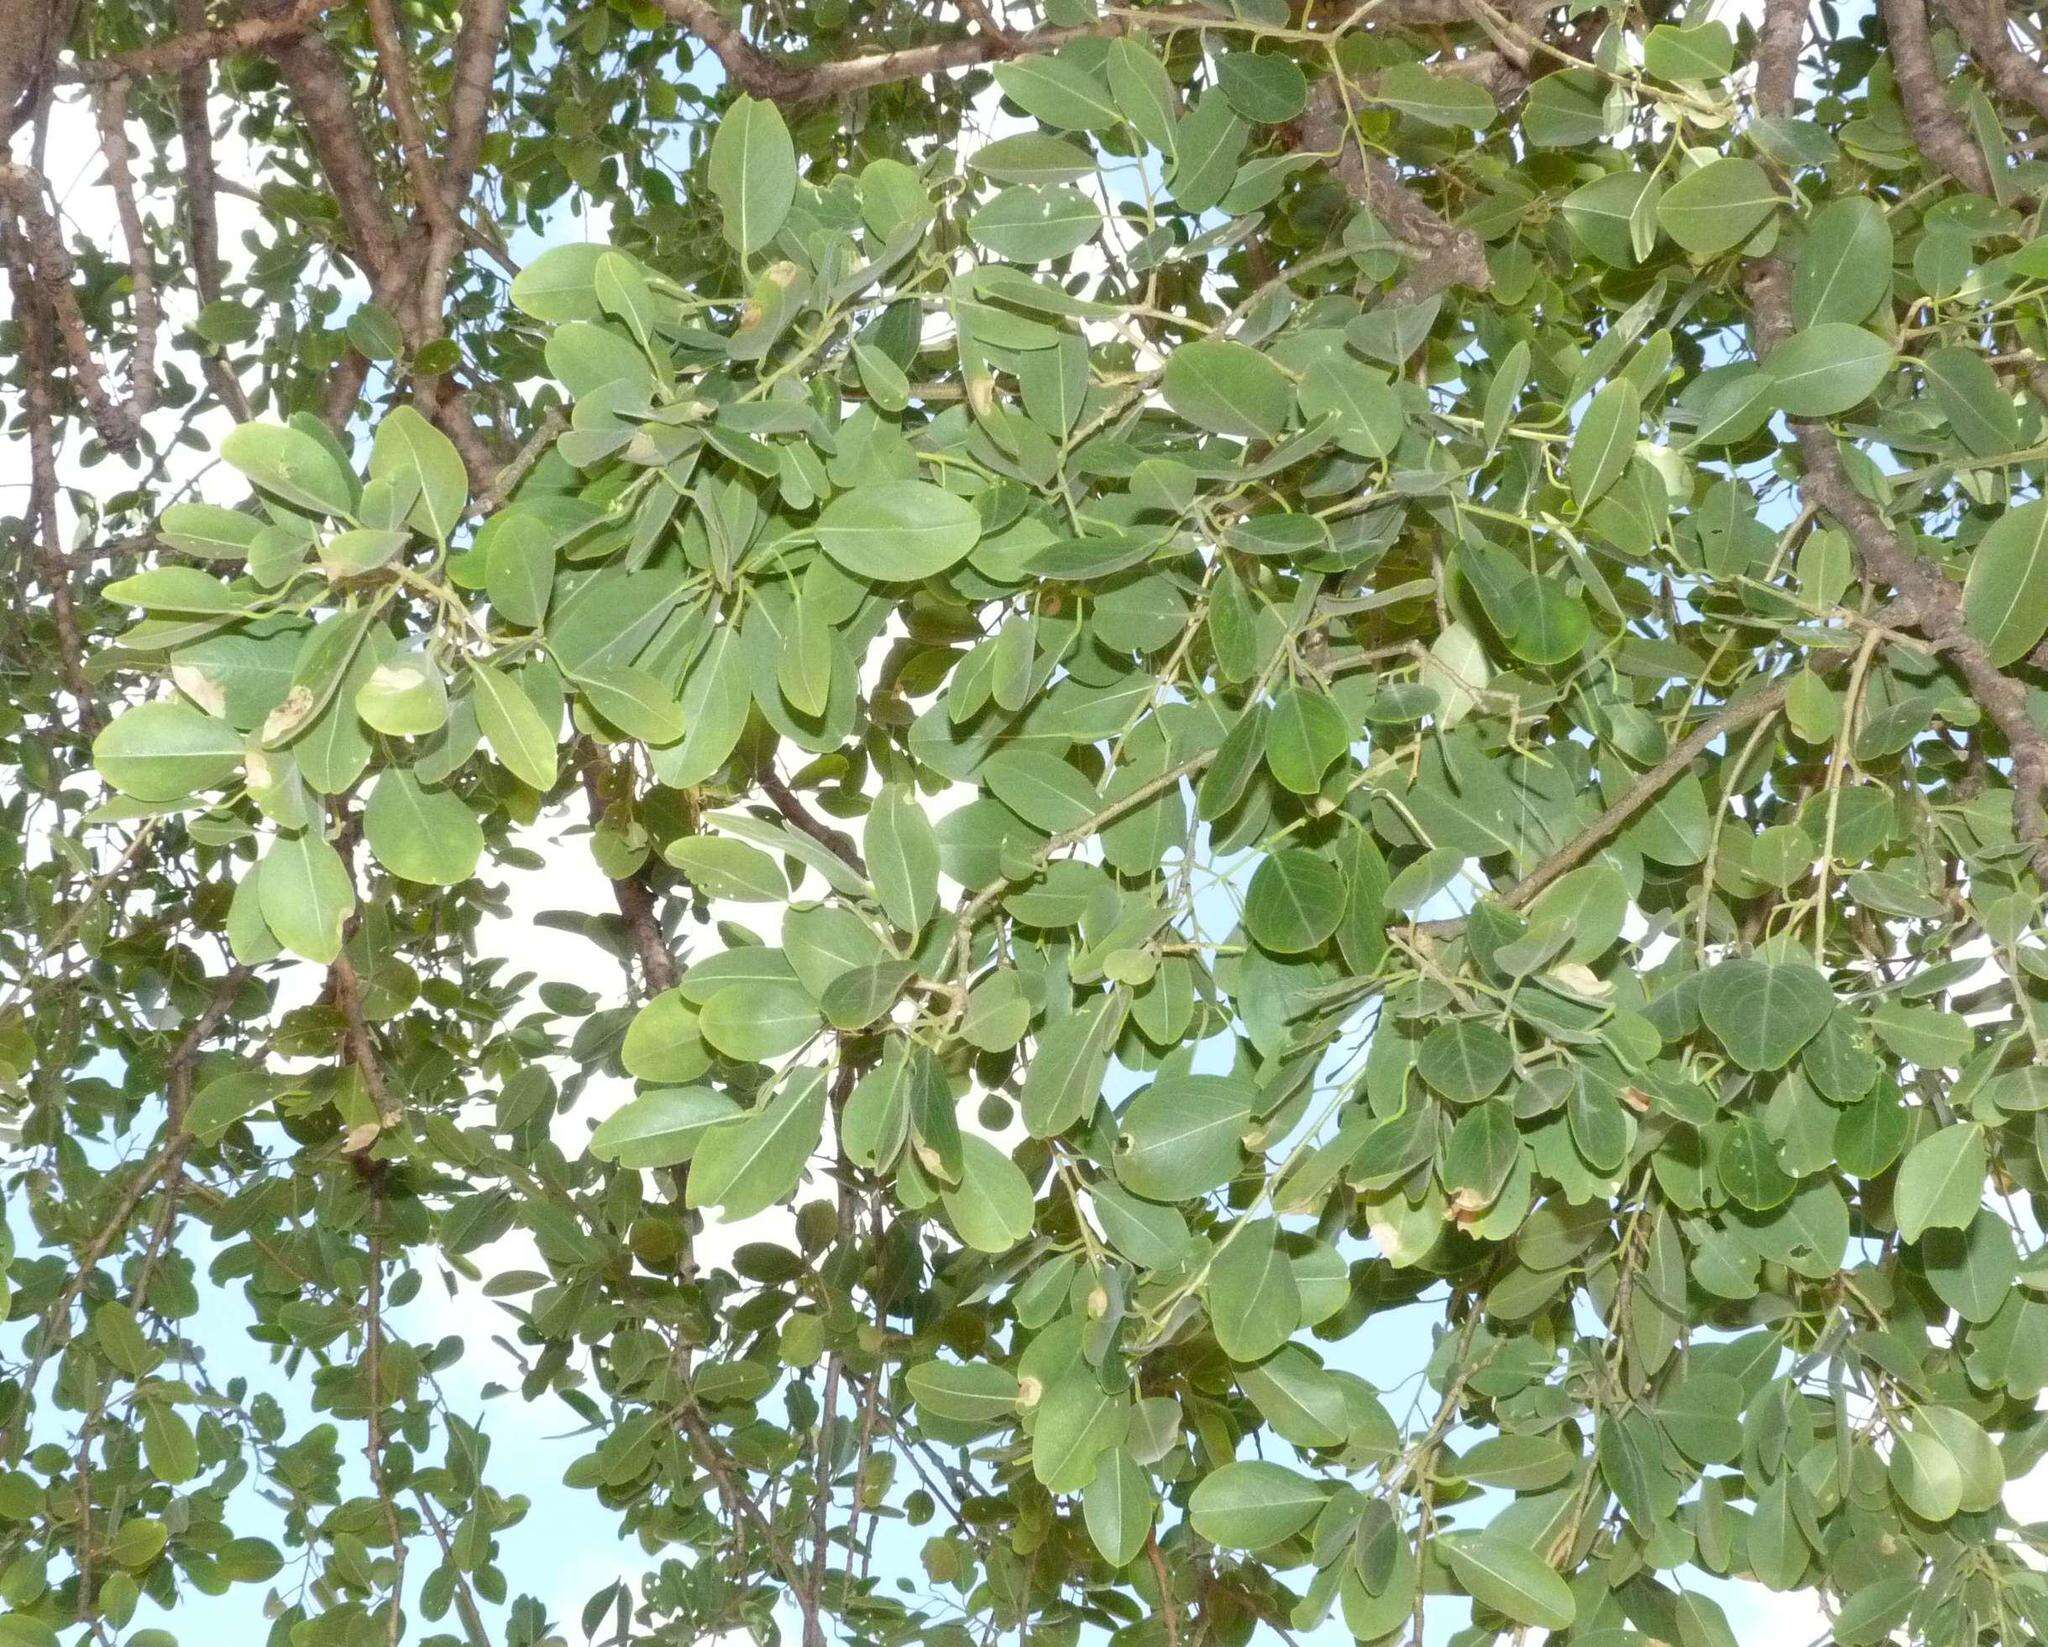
(111, 106)
(199, 45)
(202, 220)
(1929, 601)
(1445, 255)
(1985, 29)
(630, 892)
(1937, 128)
(801, 817)
(1732, 716)
(44, 258)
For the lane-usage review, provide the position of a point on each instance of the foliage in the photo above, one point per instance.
(1236, 668)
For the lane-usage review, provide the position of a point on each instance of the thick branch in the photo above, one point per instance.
(1445, 255)
(359, 1048)
(1730, 717)
(631, 894)
(1986, 31)
(46, 261)
(1929, 601)
(1937, 128)
(763, 74)
(799, 816)
(113, 118)
(202, 45)
(202, 221)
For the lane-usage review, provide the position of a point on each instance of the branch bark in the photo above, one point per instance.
(202, 218)
(1927, 599)
(1937, 128)
(1985, 29)
(197, 44)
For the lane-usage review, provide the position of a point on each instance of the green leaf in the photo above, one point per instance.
(411, 450)
(992, 1206)
(898, 531)
(1207, 146)
(165, 751)
(1925, 1474)
(1144, 92)
(1602, 214)
(1941, 1182)
(1305, 1405)
(662, 1043)
(754, 1025)
(748, 1165)
(421, 834)
(1972, 1271)
(1718, 206)
(1604, 442)
(1228, 388)
(720, 868)
(2005, 595)
(557, 285)
(306, 894)
(1845, 267)
(1253, 1505)
(1254, 1304)
(1035, 225)
(1503, 1573)
(1118, 1508)
(174, 589)
(1265, 89)
(1763, 1012)
(1063, 1081)
(632, 700)
(973, 1392)
(519, 565)
(513, 728)
(1077, 1422)
(207, 530)
(1465, 1061)
(1295, 901)
(1521, 1463)
(752, 170)
(1978, 407)
(1183, 1136)
(662, 1127)
(1058, 92)
(404, 697)
(1699, 53)
(1041, 789)
(1305, 734)
(1033, 157)
(1827, 368)
(290, 464)
(903, 858)
(1365, 413)
(1435, 99)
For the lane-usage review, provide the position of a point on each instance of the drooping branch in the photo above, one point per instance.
(112, 109)
(44, 264)
(202, 218)
(1732, 716)
(800, 817)
(1927, 599)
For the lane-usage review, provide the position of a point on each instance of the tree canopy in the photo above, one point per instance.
(1243, 671)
